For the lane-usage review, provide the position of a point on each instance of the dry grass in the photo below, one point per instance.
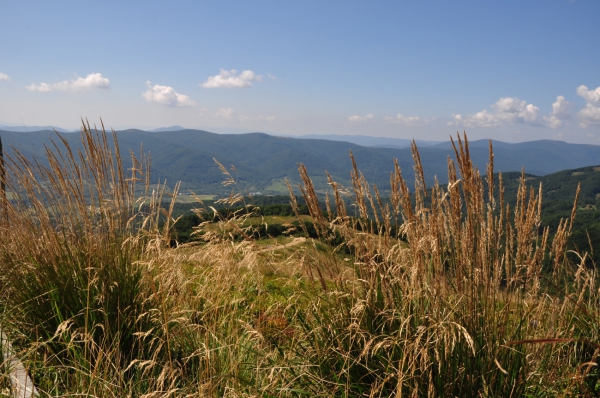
(469, 305)
(467, 298)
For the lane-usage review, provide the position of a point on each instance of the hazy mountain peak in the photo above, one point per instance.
(172, 128)
(29, 129)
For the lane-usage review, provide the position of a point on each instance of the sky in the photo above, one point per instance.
(507, 70)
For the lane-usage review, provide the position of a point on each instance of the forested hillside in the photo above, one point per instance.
(262, 162)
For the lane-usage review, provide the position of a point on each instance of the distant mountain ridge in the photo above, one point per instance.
(365, 140)
(31, 129)
(172, 128)
(263, 162)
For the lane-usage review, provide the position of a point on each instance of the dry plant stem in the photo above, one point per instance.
(3, 184)
(471, 266)
(79, 212)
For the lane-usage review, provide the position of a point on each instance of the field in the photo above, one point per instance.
(466, 297)
(187, 198)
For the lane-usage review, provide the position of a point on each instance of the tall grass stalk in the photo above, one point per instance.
(75, 228)
(444, 307)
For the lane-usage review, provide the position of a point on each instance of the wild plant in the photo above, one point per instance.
(73, 232)
(459, 306)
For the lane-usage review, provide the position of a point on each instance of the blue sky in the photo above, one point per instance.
(510, 70)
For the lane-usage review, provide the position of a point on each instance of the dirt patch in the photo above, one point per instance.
(577, 173)
(597, 168)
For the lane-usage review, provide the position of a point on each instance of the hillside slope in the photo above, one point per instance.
(263, 161)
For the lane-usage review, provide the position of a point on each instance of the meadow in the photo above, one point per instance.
(467, 297)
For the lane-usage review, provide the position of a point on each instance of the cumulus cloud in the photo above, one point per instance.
(560, 112)
(229, 113)
(590, 114)
(592, 96)
(231, 79)
(457, 120)
(407, 120)
(165, 95)
(480, 119)
(4, 77)
(515, 111)
(226, 113)
(90, 82)
(361, 119)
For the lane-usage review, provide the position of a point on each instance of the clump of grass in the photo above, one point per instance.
(463, 308)
(67, 245)
(98, 302)
(73, 234)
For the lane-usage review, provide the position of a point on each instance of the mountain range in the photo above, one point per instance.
(263, 162)
(26, 129)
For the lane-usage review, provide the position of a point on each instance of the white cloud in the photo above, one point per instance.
(592, 96)
(407, 120)
(590, 114)
(229, 113)
(361, 119)
(165, 95)
(270, 76)
(231, 79)
(90, 82)
(4, 77)
(457, 120)
(515, 111)
(560, 112)
(480, 119)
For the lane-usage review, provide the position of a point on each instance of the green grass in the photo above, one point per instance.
(277, 186)
(185, 198)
